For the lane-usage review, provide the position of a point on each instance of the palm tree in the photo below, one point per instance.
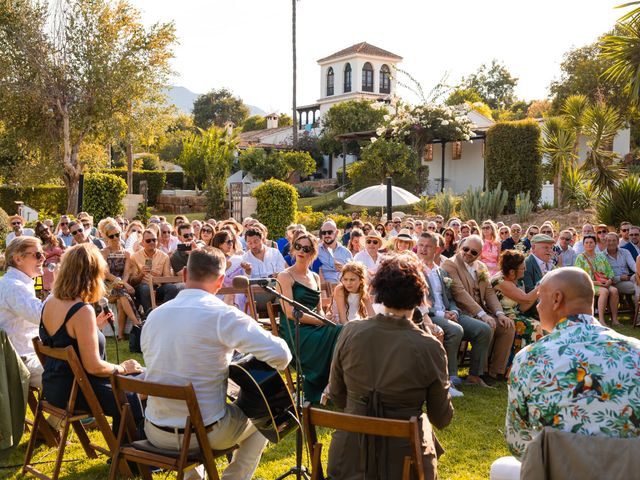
(559, 144)
(293, 45)
(573, 110)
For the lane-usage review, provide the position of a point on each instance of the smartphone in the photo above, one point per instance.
(148, 262)
(184, 247)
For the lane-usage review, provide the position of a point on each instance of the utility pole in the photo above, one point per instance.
(294, 107)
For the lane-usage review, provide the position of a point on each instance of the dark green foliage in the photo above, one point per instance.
(494, 84)
(218, 107)
(277, 206)
(621, 203)
(304, 191)
(255, 122)
(155, 181)
(50, 198)
(513, 157)
(103, 195)
(149, 161)
(177, 180)
(4, 225)
(143, 213)
(276, 163)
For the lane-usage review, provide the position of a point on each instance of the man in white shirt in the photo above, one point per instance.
(16, 222)
(265, 261)
(19, 307)
(63, 231)
(624, 233)
(587, 229)
(199, 352)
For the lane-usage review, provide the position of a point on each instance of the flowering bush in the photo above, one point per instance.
(421, 124)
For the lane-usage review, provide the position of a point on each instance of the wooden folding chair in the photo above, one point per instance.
(250, 305)
(274, 310)
(69, 416)
(157, 281)
(143, 452)
(46, 430)
(383, 427)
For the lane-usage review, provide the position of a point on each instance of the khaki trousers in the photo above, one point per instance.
(501, 348)
(232, 429)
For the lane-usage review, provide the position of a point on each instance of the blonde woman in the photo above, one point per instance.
(490, 246)
(350, 298)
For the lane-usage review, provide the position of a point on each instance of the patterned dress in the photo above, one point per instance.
(582, 378)
(600, 264)
(528, 329)
(489, 256)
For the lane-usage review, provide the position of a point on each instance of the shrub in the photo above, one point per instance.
(155, 181)
(513, 158)
(4, 225)
(143, 213)
(479, 205)
(341, 220)
(49, 198)
(446, 203)
(310, 219)
(425, 206)
(524, 207)
(176, 180)
(277, 206)
(103, 195)
(577, 191)
(621, 203)
(305, 191)
(149, 161)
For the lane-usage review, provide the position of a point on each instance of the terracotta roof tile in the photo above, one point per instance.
(363, 48)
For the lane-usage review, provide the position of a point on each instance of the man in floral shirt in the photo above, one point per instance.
(582, 378)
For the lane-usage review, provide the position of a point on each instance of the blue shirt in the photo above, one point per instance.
(326, 257)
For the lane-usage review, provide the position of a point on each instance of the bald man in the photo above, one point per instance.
(582, 377)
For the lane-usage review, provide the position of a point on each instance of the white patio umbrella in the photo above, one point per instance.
(376, 196)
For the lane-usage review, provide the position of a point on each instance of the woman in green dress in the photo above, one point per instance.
(601, 273)
(508, 286)
(316, 339)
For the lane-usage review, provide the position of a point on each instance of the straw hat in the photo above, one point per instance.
(404, 235)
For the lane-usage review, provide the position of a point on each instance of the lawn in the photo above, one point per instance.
(472, 441)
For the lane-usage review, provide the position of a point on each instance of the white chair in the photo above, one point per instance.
(505, 468)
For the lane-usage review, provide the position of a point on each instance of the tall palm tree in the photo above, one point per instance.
(573, 110)
(559, 145)
(293, 45)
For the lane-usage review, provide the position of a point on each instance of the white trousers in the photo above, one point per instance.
(32, 362)
(232, 429)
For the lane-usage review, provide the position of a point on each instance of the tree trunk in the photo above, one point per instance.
(129, 167)
(71, 175)
(557, 190)
(294, 106)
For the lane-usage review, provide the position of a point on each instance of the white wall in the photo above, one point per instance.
(460, 174)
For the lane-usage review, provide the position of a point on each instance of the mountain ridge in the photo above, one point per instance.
(183, 99)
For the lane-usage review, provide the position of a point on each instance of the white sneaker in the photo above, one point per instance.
(454, 392)
(196, 473)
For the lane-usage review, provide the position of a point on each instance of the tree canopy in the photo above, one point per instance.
(276, 164)
(493, 83)
(217, 108)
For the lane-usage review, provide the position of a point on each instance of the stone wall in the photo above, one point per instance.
(181, 203)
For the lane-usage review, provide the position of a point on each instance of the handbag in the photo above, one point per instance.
(599, 277)
(134, 338)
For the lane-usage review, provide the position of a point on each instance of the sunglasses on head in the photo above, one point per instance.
(326, 232)
(370, 242)
(114, 235)
(76, 232)
(37, 255)
(304, 248)
(469, 250)
(151, 240)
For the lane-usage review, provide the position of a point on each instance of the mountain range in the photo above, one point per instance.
(183, 99)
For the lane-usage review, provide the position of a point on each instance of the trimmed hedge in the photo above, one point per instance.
(155, 181)
(513, 156)
(48, 198)
(103, 195)
(277, 206)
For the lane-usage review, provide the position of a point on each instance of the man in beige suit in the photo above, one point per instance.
(475, 296)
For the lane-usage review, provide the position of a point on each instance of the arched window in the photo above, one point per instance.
(330, 81)
(385, 79)
(367, 78)
(347, 78)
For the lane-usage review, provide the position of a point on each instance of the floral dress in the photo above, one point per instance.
(599, 262)
(528, 330)
(581, 378)
(489, 256)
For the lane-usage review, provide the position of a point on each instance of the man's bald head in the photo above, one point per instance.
(563, 292)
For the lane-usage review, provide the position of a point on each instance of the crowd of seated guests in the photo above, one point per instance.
(479, 283)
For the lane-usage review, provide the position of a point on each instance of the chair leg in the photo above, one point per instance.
(44, 429)
(63, 443)
(406, 469)
(84, 439)
(32, 439)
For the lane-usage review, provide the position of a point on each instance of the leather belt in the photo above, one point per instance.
(180, 431)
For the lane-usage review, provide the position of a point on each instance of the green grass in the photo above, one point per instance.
(473, 440)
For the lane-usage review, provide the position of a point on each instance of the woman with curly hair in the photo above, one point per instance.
(350, 298)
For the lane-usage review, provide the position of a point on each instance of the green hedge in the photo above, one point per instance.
(155, 181)
(47, 198)
(513, 156)
(103, 195)
(277, 206)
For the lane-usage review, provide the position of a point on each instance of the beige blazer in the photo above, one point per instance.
(463, 285)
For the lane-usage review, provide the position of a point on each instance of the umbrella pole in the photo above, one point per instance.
(389, 192)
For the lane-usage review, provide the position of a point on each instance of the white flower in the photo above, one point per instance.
(373, 139)
(386, 118)
(445, 123)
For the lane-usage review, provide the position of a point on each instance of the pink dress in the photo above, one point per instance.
(489, 256)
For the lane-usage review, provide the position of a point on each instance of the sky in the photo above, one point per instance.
(245, 45)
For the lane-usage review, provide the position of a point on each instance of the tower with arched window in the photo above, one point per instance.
(361, 71)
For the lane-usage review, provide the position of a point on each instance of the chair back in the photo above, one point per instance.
(274, 309)
(161, 281)
(384, 427)
(250, 306)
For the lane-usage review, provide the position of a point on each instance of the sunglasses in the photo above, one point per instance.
(229, 242)
(438, 221)
(486, 227)
(624, 229)
(469, 250)
(76, 232)
(449, 234)
(62, 224)
(166, 232)
(114, 235)
(545, 232)
(455, 225)
(151, 240)
(304, 248)
(372, 242)
(515, 230)
(37, 255)
(326, 232)
(187, 235)
(568, 239)
(206, 230)
(16, 223)
(600, 232)
(136, 231)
